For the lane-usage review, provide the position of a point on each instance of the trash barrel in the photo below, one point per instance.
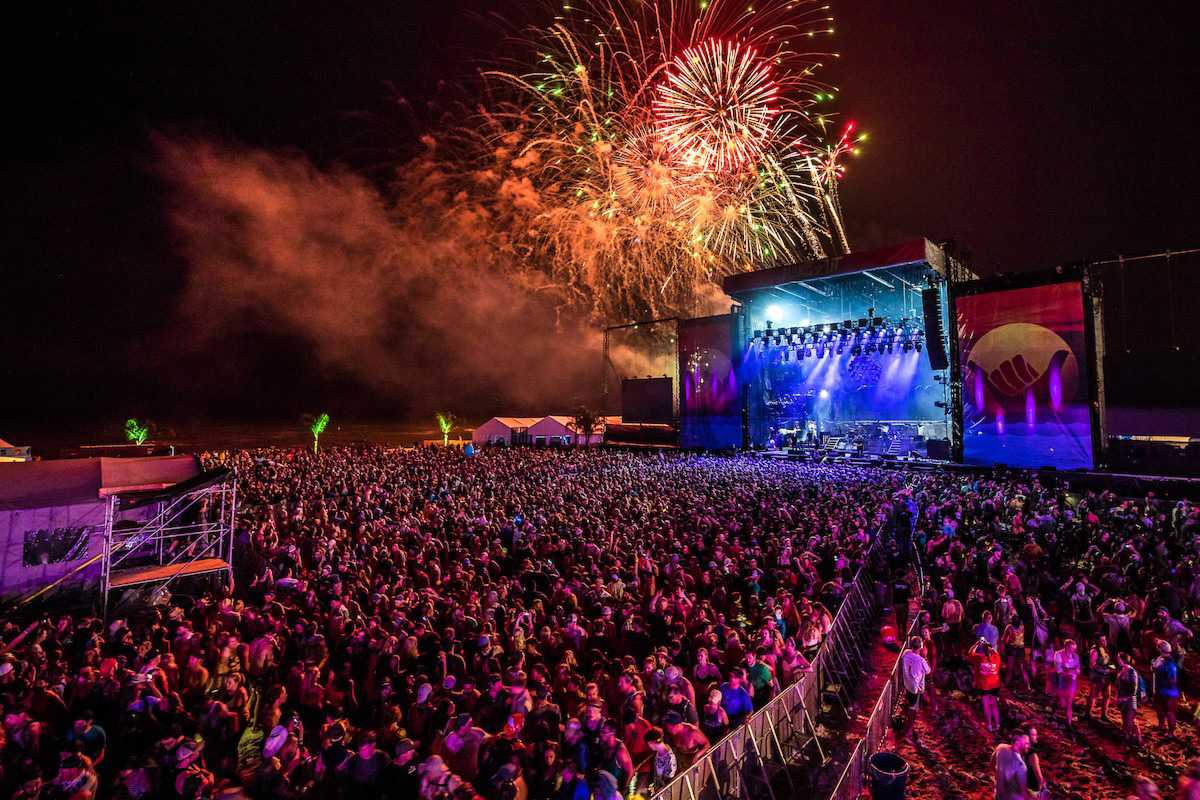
(887, 776)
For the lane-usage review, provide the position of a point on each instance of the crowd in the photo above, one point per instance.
(1083, 601)
(572, 625)
(419, 623)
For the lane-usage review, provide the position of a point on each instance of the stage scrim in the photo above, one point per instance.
(710, 401)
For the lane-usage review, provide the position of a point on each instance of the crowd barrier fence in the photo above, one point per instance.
(854, 776)
(747, 761)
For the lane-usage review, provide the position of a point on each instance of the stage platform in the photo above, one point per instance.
(1123, 483)
(151, 574)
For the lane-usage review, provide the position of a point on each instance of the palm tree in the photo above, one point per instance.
(586, 422)
(318, 427)
(445, 422)
(135, 432)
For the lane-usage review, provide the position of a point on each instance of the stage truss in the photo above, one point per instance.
(190, 533)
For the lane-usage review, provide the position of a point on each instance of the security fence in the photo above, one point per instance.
(854, 776)
(753, 760)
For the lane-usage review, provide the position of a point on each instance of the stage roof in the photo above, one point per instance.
(911, 253)
(37, 484)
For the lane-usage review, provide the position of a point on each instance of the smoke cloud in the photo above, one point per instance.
(415, 295)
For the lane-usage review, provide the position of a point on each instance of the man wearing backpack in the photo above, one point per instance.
(1129, 687)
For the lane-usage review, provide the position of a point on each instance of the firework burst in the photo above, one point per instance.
(715, 107)
(658, 146)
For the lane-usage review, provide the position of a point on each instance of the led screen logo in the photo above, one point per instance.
(1022, 364)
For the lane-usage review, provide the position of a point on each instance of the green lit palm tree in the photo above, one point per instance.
(136, 432)
(445, 421)
(318, 427)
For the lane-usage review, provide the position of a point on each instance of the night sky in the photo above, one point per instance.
(1032, 133)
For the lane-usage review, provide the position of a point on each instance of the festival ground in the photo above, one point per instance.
(950, 754)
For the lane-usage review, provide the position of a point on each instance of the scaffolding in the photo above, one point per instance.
(187, 532)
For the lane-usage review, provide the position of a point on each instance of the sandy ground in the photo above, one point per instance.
(950, 754)
(950, 751)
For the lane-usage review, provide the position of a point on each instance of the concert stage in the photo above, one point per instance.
(849, 356)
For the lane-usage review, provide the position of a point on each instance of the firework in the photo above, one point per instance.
(715, 107)
(659, 146)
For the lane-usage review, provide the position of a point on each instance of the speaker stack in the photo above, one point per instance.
(931, 301)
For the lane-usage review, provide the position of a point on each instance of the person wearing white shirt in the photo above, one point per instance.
(914, 668)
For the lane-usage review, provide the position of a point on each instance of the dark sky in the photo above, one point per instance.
(1032, 133)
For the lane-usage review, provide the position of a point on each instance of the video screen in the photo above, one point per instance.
(1025, 381)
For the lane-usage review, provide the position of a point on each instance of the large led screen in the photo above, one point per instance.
(710, 403)
(1025, 381)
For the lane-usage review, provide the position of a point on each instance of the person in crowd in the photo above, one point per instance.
(987, 631)
(663, 759)
(1128, 688)
(1102, 668)
(1165, 672)
(914, 670)
(416, 623)
(688, 741)
(985, 665)
(1035, 779)
(1016, 654)
(901, 598)
(1066, 679)
(735, 698)
(714, 721)
(1012, 771)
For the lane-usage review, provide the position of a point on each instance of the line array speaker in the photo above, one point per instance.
(931, 300)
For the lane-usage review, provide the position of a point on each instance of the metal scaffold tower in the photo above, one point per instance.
(154, 538)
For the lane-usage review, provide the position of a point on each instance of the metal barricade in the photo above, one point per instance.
(853, 780)
(746, 762)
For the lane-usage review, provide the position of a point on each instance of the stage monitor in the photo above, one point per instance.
(647, 401)
(710, 401)
(1025, 377)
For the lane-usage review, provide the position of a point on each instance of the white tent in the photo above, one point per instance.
(559, 430)
(504, 430)
(10, 452)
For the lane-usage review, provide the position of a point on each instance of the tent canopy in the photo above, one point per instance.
(72, 481)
